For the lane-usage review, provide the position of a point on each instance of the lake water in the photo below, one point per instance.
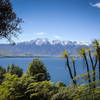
(55, 66)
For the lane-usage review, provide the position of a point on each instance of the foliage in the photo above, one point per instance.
(41, 90)
(65, 54)
(9, 22)
(62, 94)
(28, 86)
(38, 70)
(35, 84)
(60, 84)
(12, 88)
(84, 91)
(2, 72)
(15, 70)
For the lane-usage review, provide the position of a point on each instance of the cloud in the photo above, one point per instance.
(40, 33)
(57, 37)
(96, 5)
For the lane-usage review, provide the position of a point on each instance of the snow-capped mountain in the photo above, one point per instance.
(54, 42)
(45, 47)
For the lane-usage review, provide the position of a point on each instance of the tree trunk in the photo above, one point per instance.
(93, 67)
(98, 54)
(94, 71)
(74, 68)
(91, 59)
(99, 62)
(70, 72)
(89, 78)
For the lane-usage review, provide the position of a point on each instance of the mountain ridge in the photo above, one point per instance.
(39, 41)
(45, 47)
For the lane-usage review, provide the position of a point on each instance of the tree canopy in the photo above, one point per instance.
(15, 70)
(38, 70)
(9, 22)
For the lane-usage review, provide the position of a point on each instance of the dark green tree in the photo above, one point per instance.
(2, 72)
(38, 70)
(8, 68)
(9, 22)
(60, 84)
(15, 70)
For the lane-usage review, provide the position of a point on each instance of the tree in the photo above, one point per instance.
(8, 68)
(60, 84)
(68, 65)
(93, 63)
(12, 88)
(97, 46)
(9, 22)
(38, 70)
(15, 70)
(83, 54)
(74, 68)
(2, 72)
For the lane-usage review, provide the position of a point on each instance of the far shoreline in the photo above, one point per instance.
(30, 57)
(35, 56)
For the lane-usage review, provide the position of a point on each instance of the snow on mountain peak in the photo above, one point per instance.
(83, 43)
(40, 42)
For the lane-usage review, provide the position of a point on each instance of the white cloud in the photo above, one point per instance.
(96, 5)
(57, 37)
(40, 33)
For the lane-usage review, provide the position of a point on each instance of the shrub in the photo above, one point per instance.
(15, 70)
(38, 70)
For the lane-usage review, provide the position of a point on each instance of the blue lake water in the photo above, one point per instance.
(55, 66)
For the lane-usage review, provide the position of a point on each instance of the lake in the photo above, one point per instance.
(55, 66)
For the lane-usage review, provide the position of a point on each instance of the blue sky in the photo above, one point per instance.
(76, 20)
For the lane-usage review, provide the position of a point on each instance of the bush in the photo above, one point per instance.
(12, 88)
(41, 90)
(60, 84)
(15, 70)
(2, 72)
(38, 70)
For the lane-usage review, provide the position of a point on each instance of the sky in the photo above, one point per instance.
(75, 20)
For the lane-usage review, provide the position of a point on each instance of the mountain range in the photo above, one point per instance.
(42, 47)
